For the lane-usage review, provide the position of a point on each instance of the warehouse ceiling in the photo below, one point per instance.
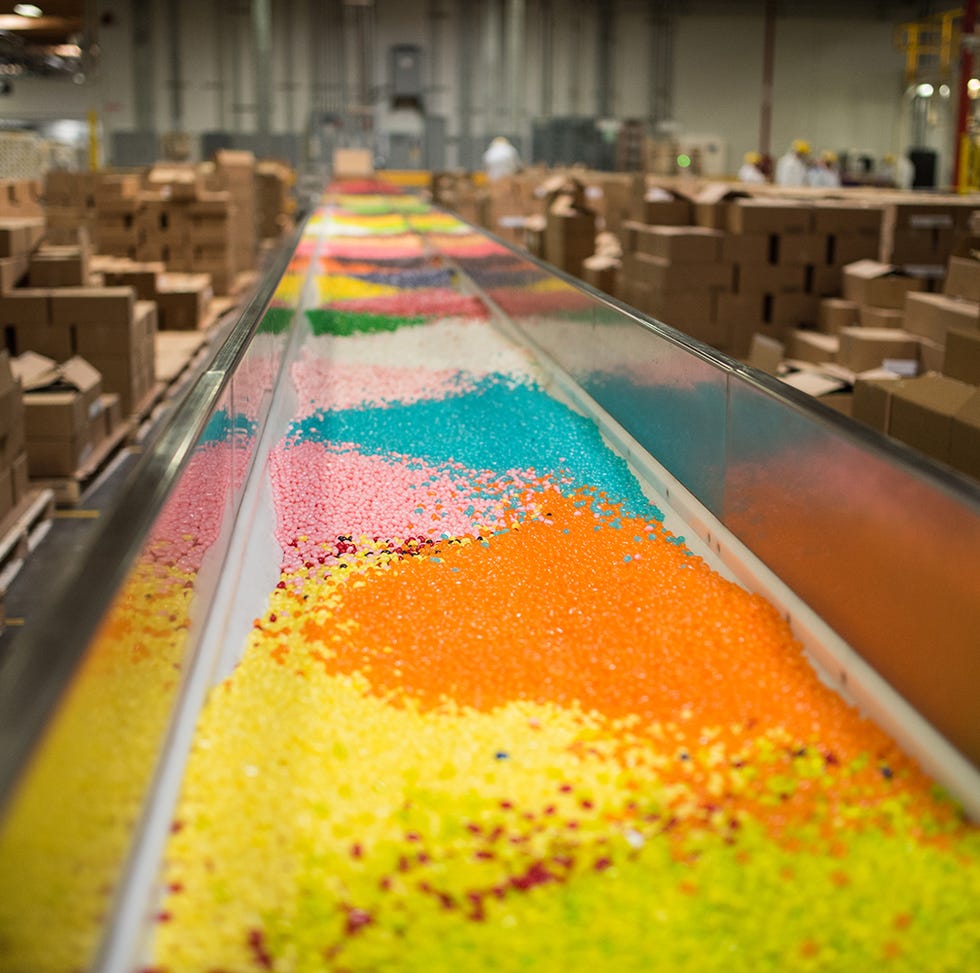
(42, 40)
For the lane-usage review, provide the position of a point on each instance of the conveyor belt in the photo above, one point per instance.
(476, 690)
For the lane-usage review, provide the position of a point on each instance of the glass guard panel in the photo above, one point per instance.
(68, 830)
(884, 552)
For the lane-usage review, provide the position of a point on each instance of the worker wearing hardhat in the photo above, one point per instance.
(791, 169)
(751, 168)
(501, 159)
(825, 174)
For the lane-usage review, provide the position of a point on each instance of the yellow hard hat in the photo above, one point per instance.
(828, 156)
(889, 159)
(753, 158)
(801, 147)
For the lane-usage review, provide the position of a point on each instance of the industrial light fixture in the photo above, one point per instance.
(925, 90)
(28, 10)
(973, 87)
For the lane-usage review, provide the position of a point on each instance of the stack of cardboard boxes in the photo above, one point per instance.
(274, 203)
(193, 218)
(13, 459)
(66, 414)
(676, 274)
(182, 300)
(19, 237)
(105, 325)
(235, 174)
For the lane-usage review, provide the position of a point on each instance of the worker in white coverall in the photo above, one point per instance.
(750, 171)
(791, 169)
(501, 159)
(825, 174)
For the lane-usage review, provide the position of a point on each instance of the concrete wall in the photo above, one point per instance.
(838, 82)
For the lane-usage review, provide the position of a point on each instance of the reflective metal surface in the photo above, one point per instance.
(886, 553)
(74, 797)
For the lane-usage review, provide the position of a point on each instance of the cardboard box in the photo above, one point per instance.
(25, 306)
(791, 310)
(569, 239)
(666, 211)
(835, 313)
(963, 279)
(20, 477)
(20, 236)
(769, 279)
(933, 315)
(55, 341)
(837, 216)
(11, 413)
(846, 248)
(766, 353)
(63, 266)
(962, 358)
(7, 500)
(865, 348)
(142, 277)
(872, 398)
(932, 355)
(130, 339)
(812, 346)
(964, 439)
(13, 270)
(871, 282)
(749, 248)
(824, 281)
(802, 248)
(92, 305)
(922, 411)
(921, 246)
(665, 275)
(183, 301)
(740, 310)
(870, 316)
(769, 216)
(350, 163)
(678, 244)
(683, 310)
(59, 402)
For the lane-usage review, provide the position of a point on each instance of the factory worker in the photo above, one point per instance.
(501, 159)
(825, 174)
(751, 171)
(791, 169)
(899, 171)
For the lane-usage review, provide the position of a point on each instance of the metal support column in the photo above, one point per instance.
(768, 62)
(516, 28)
(144, 64)
(465, 156)
(547, 59)
(661, 63)
(604, 84)
(176, 66)
(262, 49)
